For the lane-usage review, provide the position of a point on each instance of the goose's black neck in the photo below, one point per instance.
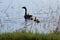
(25, 11)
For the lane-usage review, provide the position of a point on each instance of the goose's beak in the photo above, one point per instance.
(22, 7)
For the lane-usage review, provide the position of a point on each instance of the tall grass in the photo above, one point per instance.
(29, 36)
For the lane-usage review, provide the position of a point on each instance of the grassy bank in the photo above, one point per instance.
(29, 36)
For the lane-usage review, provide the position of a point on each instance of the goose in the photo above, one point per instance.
(27, 16)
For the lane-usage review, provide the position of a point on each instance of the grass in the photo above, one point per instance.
(29, 36)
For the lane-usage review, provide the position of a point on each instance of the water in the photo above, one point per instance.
(12, 17)
(8, 24)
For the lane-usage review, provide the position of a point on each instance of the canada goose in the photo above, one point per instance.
(27, 16)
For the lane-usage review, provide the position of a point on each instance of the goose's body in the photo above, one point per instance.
(27, 16)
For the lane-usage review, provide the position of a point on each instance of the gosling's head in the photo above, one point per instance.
(31, 18)
(37, 20)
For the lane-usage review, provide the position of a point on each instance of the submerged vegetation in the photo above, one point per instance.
(29, 36)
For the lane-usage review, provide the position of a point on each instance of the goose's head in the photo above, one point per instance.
(25, 10)
(24, 7)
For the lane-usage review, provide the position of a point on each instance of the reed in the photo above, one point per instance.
(29, 36)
